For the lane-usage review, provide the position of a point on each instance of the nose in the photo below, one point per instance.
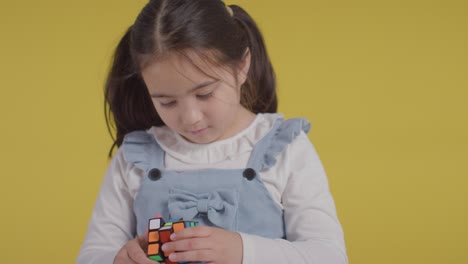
(191, 115)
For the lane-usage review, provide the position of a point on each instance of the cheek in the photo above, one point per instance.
(166, 115)
(225, 103)
(227, 96)
(222, 111)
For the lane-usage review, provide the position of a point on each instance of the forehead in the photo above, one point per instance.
(173, 70)
(180, 71)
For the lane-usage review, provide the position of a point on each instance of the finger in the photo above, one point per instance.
(204, 255)
(187, 245)
(196, 231)
(143, 240)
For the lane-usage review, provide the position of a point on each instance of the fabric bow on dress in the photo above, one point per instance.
(220, 206)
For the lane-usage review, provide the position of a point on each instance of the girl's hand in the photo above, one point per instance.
(133, 253)
(207, 244)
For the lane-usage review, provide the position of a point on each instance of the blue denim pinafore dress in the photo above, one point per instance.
(232, 199)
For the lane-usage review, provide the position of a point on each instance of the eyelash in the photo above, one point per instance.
(199, 96)
(204, 96)
(167, 104)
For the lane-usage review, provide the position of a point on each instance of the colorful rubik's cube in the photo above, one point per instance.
(160, 232)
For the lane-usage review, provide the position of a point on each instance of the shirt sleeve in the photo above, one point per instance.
(112, 222)
(313, 231)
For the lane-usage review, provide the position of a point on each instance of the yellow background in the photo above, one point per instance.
(385, 84)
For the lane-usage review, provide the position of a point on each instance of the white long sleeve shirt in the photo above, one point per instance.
(297, 183)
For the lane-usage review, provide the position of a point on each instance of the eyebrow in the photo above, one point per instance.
(201, 85)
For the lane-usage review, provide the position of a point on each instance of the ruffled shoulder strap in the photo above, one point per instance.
(271, 145)
(141, 149)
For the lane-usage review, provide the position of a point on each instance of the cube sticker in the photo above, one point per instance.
(159, 232)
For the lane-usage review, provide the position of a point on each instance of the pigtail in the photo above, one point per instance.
(128, 106)
(260, 87)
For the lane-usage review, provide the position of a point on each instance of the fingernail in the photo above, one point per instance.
(164, 247)
(172, 257)
(173, 236)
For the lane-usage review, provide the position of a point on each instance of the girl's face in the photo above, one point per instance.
(201, 103)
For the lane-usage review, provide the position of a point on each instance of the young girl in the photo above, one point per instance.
(192, 95)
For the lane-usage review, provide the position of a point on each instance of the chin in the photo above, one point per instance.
(203, 141)
(200, 140)
(208, 136)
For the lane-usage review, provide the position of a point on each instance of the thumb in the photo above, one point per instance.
(143, 240)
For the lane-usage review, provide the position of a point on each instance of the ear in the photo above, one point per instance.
(243, 68)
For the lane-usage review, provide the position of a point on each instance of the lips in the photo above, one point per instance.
(197, 131)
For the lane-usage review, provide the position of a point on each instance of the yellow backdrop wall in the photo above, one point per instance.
(384, 84)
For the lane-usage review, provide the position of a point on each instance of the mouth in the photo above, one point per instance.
(198, 131)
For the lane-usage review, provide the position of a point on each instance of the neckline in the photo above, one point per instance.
(230, 148)
(242, 132)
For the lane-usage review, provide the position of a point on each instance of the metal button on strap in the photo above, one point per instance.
(249, 174)
(154, 174)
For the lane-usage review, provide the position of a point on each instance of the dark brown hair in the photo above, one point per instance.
(165, 26)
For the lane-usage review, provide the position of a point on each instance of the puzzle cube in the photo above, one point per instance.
(160, 232)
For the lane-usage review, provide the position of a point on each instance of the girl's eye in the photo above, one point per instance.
(168, 104)
(204, 96)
